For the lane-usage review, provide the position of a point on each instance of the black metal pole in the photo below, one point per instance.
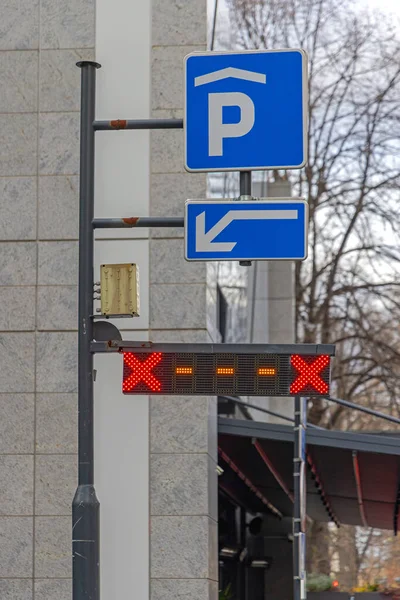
(299, 483)
(245, 192)
(245, 183)
(242, 564)
(85, 506)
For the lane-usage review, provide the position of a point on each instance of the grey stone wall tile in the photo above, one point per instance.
(19, 25)
(59, 207)
(212, 550)
(260, 333)
(18, 308)
(180, 424)
(56, 480)
(60, 79)
(167, 75)
(212, 318)
(178, 484)
(213, 590)
(57, 362)
(166, 145)
(53, 555)
(167, 263)
(57, 308)
(179, 547)
(18, 148)
(282, 335)
(17, 362)
(212, 488)
(213, 428)
(67, 24)
(167, 151)
(18, 263)
(193, 336)
(18, 199)
(169, 192)
(174, 589)
(59, 143)
(18, 81)
(212, 274)
(179, 22)
(189, 313)
(16, 491)
(16, 589)
(16, 423)
(56, 423)
(53, 589)
(16, 534)
(281, 281)
(281, 319)
(58, 263)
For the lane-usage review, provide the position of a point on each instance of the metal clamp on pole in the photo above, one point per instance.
(85, 506)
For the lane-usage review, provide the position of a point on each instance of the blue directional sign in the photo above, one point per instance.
(245, 110)
(273, 229)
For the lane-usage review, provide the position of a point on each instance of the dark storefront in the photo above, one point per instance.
(351, 479)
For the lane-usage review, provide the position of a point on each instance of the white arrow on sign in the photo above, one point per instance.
(204, 240)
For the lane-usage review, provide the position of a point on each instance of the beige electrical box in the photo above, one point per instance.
(119, 285)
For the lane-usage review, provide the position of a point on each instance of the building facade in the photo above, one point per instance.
(156, 458)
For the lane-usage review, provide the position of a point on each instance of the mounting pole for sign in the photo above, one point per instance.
(299, 485)
(245, 194)
(245, 185)
(85, 506)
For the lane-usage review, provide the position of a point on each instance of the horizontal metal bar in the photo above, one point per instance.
(138, 222)
(116, 124)
(287, 349)
(364, 409)
(265, 410)
(363, 442)
(260, 408)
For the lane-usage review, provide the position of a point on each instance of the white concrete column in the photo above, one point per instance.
(271, 303)
(123, 45)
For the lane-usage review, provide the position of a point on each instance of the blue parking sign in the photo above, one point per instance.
(245, 110)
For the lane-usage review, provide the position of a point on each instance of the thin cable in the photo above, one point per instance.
(265, 410)
(364, 409)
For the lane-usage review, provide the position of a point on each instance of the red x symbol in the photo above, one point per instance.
(140, 371)
(309, 373)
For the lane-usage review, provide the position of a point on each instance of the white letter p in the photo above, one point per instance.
(217, 130)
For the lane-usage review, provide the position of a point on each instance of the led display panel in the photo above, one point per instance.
(230, 374)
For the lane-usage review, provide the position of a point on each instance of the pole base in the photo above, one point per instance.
(86, 544)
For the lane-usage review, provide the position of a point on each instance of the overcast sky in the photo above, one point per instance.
(386, 5)
(389, 6)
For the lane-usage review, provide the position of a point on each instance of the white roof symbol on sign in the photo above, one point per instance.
(230, 72)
